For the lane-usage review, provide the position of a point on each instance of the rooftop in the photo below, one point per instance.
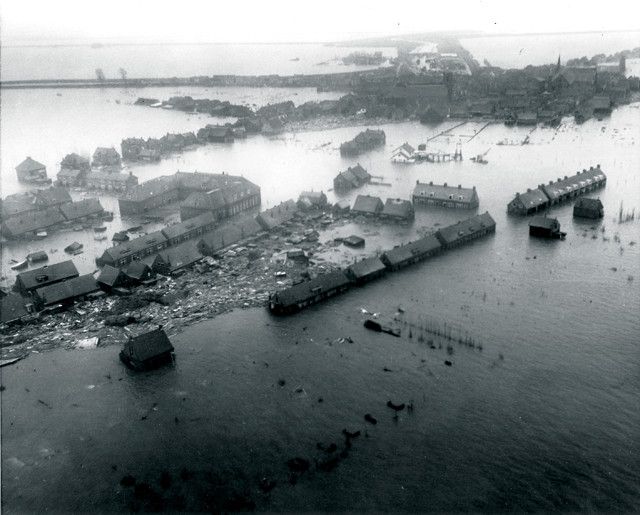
(302, 291)
(444, 192)
(47, 274)
(29, 165)
(148, 345)
(67, 290)
(461, 229)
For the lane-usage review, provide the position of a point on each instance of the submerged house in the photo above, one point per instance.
(29, 281)
(66, 292)
(278, 215)
(574, 186)
(544, 227)
(31, 222)
(147, 351)
(82, 209)
(398, 209)
(312, 199)
(529, 202)
(310, 292)
(413, 252)
(100, 180)
(352, 177)
(445, 196)
(31, 170)
(364, 141)
(366, 270)
(367, 205)
(133, 250)
(111, 277)
(138, 272)
(107, 158)
(466, 230)
(588, 208)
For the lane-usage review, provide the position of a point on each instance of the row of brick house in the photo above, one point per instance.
(557, 192)
(301, 295)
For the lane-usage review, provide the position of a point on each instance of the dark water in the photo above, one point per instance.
(551, 426)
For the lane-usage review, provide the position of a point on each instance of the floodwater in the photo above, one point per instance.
(519, 51)
(175, 60)
(543, 418)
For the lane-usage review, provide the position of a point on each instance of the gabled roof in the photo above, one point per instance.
(575, 182)
(418, 248)
(533, 198)
(302, 291)
(53, 196)
(67, 290)
(109, 276)
(457, 231)
(12, 308)
(32, 221)
(81, 208)
(398, 208)
(366, 267)
(589, 203)
(367, 204)
(151, 188)
(29, 165)
(405, 148)
(442, 192)
(136, 270)
(360, 173)
(277, 215)
(148, 345)
(18, 203)
(348, 177)
(212, 200)
(136, 245)
(192, 224)
(579, 74)
(47, 274)
(75, 162)
(180, 256)
(544, 222)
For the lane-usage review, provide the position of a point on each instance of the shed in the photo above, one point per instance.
(545, 227)
(354, 241)
(147, 351)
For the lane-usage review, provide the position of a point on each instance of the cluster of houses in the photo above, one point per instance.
(221, 194)
(33, 213)
(557, 192)
(103, 173)
(152, 149)
(301, 295)
(364, 141)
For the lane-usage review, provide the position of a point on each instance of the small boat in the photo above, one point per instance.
(99, 229)
(41, 234)
(73, 248)
(21, 265)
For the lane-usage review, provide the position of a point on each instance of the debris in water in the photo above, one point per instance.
(395, 407)
(448, 363)
(369, 418)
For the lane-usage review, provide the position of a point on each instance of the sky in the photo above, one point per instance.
(134, 21)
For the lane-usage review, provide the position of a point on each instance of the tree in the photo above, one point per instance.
(100, 74)
(123, 74)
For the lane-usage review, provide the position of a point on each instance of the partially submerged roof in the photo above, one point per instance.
(67, 290)
(367, 204)
(457, 231)
(32, 221)
(367, 267)
(277, 215)
(414, 249)
(29, 165)
(302, 291)
(192, 224)
(137, 270)
(444, 192)
(47, 274)
(136, 245)
(81, 208)
(53, 196)
(532, 198)
(109, 276)
(543, 222)
(398, 208)
(148, 345)
(575, 182)
(12, 308)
